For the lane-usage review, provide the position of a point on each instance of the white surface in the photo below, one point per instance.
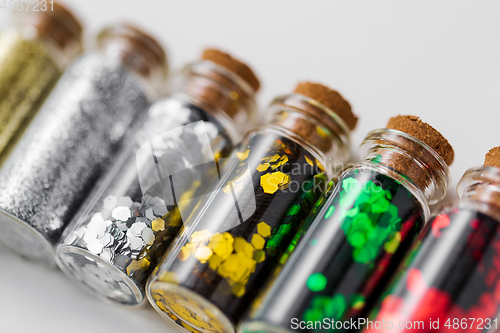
(436, 59)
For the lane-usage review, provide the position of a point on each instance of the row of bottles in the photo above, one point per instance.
(181, 192)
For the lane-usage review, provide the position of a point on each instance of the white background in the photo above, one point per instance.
(439, 60)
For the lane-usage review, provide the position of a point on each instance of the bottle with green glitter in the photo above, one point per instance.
(33, 54)
(358, 234)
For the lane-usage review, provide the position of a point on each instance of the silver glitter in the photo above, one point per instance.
(142, 227)
(68, 146)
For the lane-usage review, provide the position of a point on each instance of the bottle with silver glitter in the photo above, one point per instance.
(170, 166)
(33, 54)
(74, 138)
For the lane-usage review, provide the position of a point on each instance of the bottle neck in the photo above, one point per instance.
(315, 125)
(415, 161)
(219, 92)
(138, 52)
(481, 184)
(57, 28)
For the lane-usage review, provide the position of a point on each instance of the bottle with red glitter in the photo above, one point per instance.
(450, 282)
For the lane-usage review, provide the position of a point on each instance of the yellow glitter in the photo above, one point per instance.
(157, 224)
(203, 254)
(214, 262)
(242, 246)
(259, 256)
(358, 305)
(282, 161)
(320, 166)
(392, 245)
(200, 236)
(243, 156)
(270, 182)
(321, 132)
(228, 266)
(258, 242)
(142, 264)
(170, 277)
(309, 161)
(185, 253)
(263, 167)
(222, 245)
(264, 229)
(239, 290)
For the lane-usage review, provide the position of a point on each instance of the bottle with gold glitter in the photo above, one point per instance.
(72, 142)
(359, 233)
(139, 207)
(33, 54)
(233, 240)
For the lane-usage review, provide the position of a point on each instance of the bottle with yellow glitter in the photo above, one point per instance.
(33, 54)
(233, 240)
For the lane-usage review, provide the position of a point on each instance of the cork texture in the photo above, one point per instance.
(241, 69)
(493, 158)
(415, 127)
(329, 98)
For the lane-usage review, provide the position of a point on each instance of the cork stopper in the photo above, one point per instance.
(329, 98)
(137, 50)
(492, 158)
(58, 25)
(239, 68)
(415, 127)
(315, 122)
(416, 151)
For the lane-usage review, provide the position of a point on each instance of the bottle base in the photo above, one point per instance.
(25, 241)
(187, 309)
(98, 276)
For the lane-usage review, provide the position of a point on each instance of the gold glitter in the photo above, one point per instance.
(135, 265)
(228, 266)
(185, 252)
(158, 224)
(243, 156)
(263, 167)
(27, 74)
(309, 161)
(203, 254)
(320, 166)
(222, 245)
(321, 132)
(259, 256)
(187, 313)
(200, 236)
(271, 182)
(264, 229)
(214, 262)
(282, 161)
(170, 277)
(258, 242)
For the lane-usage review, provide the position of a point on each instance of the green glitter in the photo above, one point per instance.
(317, 282)
(362, 206)
(326, 307)
(330, 212)
(314, 242)
(377, 158)
(294, 210)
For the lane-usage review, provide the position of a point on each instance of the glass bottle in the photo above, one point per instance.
(33, 54)
(358, 234)
(232, 241)
(451, 278)
(131, 219)
(79, 130)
